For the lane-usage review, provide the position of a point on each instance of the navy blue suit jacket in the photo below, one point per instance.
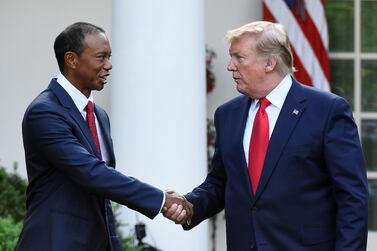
(69, 188)
(312, 193)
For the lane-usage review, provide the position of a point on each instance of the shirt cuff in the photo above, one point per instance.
(163, 202)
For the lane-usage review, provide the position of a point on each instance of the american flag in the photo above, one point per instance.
(305, 22)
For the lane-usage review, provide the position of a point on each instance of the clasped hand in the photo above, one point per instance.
(177, 208)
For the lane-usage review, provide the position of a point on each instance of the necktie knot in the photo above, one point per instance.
(89, 107)
(263, 103)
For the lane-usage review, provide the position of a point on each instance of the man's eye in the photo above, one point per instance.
(240, 59)
(101, 58)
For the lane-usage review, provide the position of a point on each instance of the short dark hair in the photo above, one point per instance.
(72, 39)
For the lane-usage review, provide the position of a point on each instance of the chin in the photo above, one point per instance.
(240, 90)
(244, 92)
(99, 87)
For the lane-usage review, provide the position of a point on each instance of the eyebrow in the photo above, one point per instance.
(102, 53)
(237, 54)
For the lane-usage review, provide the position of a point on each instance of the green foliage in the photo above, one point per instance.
(128, 242)
(12, 194)
(12, 207)
(368, 26)
(340, 19)
(9, 232)
(342, 78)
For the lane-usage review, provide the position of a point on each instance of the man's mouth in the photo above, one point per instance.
(104, 77)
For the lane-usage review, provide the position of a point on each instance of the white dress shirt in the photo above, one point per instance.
(81, 101)
(276, 97)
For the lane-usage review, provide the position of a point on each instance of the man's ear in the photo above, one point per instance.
(270, 64)
(70, 59)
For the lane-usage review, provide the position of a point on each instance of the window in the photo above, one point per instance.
(353, 58)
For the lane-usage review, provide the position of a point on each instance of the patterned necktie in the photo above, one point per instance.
(91, 121)
(258, 143)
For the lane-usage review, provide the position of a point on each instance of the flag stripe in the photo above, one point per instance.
(308, 38)
(282, 14)
(314, 38)
(301, 74)
(317, 12)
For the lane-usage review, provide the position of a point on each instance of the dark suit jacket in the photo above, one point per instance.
(69, 188)
(312, 193)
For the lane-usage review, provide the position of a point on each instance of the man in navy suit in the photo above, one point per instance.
(70, 164)
(311, 193)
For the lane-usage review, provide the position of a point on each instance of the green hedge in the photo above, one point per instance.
(12, 207)
(9, 232)
(12, 211)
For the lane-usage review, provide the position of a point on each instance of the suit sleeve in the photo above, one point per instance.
(208, 198)
(344, 157)
(51, 133)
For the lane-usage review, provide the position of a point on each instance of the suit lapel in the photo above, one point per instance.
(292, 110)
(67, 103)
(242, 112)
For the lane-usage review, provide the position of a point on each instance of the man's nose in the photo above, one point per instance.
(231, 66)
(108, 66)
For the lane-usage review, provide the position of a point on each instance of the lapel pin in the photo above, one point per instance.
(295, 112)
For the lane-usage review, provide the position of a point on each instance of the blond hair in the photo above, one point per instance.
(271, 40)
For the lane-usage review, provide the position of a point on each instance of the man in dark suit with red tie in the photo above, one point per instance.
(288, 167)
(70, 159)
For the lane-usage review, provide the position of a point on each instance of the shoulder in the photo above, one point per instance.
(46, 100)
(320, 104)
(46, 104)
(318, 97)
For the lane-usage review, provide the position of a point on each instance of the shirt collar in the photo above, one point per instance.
(279, 93)
(78, 98)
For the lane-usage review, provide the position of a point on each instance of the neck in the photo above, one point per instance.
(76, 83)
(271, 81)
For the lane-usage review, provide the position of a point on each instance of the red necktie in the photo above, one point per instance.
(258, 143)
(91, 121)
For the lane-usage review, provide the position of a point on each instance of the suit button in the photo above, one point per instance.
(254, 208)
(252, 246)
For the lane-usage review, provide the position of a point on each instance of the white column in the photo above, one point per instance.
(158, 105)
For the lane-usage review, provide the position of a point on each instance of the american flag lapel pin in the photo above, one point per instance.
(295, 112)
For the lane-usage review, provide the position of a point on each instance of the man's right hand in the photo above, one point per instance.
(177, 208)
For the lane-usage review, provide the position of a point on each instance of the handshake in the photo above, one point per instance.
(177, 208)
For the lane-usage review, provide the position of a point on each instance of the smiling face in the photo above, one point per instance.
(247, 68)
(90, 69)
